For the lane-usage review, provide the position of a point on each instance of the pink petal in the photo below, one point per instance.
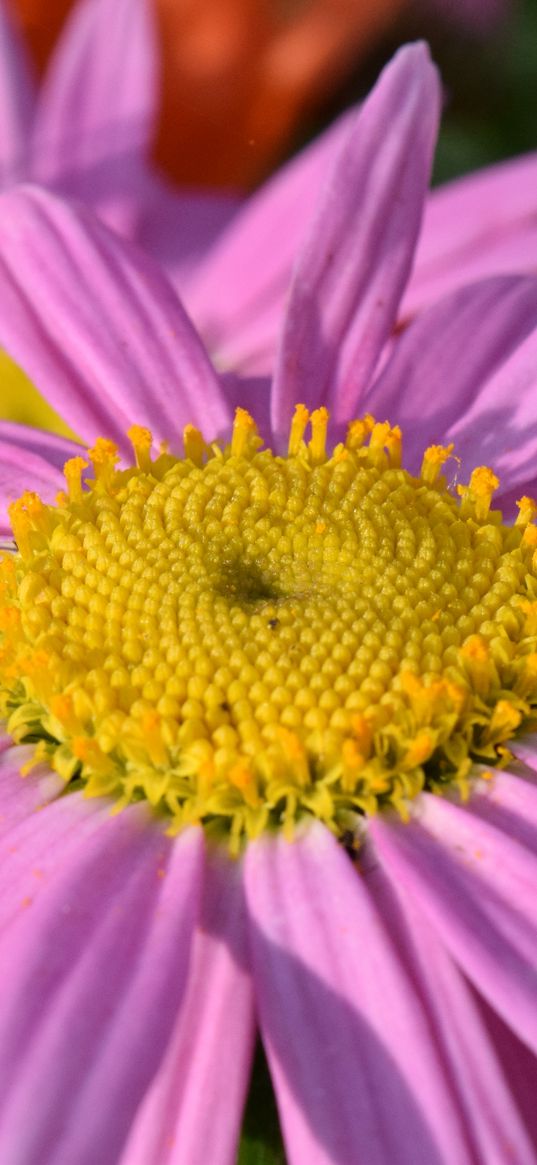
(466, 225)
(97, 327)
(356, 259)
(22, 796)
(40, 843)
(509, 802)
(17, 99)
(493, 1126)
(477, 887)
(505, 416)
(179, 229)
(21, 470)
(506, 499)
(525, 749)
(50, 446)
(98, 103)
(509, 254)
(93, 976)
(492, 323)
(254, 259)
(207, 1063)
(519, 1065)
(350, 1048)
(251, 393)
(249, 349)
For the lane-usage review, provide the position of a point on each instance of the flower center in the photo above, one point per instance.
(244, 639)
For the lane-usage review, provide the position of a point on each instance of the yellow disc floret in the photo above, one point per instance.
(245, 639)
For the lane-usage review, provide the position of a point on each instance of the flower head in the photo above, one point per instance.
(300, 647)
(245, 640)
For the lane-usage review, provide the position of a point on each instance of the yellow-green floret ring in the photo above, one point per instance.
(245, 639)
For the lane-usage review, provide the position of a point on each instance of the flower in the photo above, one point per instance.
(83, 135)
(88, 137)
(390, 962)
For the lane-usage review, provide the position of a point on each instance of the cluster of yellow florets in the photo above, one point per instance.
(245, 638)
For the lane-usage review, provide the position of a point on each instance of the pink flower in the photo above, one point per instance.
(394, 993)
(87, 133)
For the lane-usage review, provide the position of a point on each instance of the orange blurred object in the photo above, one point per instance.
(41, 21)
(238, 75)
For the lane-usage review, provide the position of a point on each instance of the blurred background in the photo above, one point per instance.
(246, 82)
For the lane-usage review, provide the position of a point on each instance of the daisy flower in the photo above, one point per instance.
(86, 133)
(268, 756)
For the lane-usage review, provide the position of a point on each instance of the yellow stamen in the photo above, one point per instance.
(359, 431)
(504, 721)
(420, 749)
(434, 459)
(378, 443)
(194, 445)
(317, 445)
(245, 639)
(20, 526)
(477, 496)
(28, 517)
(527, 511)
(73, 470)
(242, 777)
(394, 446)
(527, 676)
(104, 457)
(298, 428)
(245, 439)
(141, 440)
(476, 657)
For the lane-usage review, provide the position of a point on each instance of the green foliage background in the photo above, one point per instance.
(491, 93)
(490, 84)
